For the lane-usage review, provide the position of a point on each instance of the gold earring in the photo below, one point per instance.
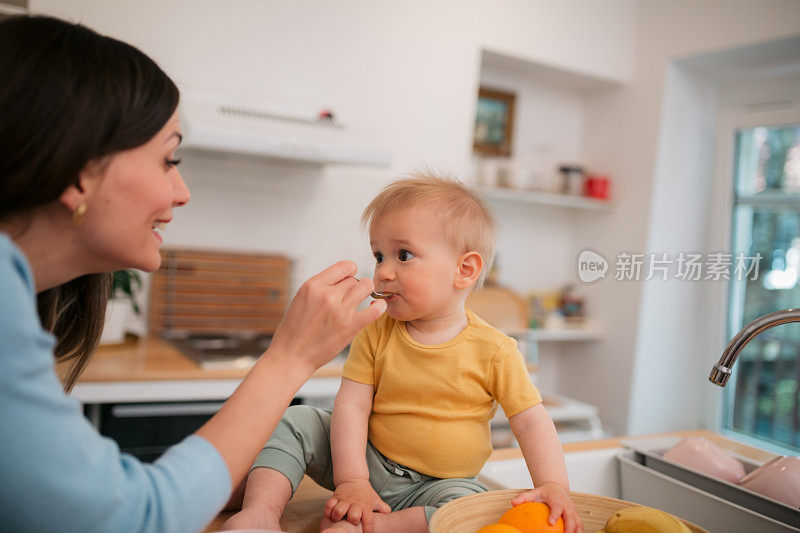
(77, 215)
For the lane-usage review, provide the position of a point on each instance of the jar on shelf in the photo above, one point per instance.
(572, 178)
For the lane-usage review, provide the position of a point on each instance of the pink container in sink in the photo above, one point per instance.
(699, 454)
(778, 479)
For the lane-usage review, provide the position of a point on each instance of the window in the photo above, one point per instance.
(764, 401)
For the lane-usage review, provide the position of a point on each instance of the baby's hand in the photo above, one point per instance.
(355, 500)
(560, 504)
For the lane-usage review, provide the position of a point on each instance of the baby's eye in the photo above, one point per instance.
(404, 255)
(378, 257)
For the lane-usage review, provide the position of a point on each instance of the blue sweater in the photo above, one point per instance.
(56, 472)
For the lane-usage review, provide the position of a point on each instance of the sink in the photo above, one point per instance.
(646, 486)
(653, 458)
(592, 472)
(643, 459)
(215, 352)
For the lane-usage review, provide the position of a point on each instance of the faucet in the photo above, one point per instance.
(722, 370)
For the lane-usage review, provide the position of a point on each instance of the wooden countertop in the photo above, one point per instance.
(154, 359)
(304, 512)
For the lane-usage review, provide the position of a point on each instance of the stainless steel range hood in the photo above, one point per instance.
(269, 130)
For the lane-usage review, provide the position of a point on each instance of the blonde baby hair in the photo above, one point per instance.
(467, 224)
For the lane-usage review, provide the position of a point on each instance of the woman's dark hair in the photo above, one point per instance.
(69, 95)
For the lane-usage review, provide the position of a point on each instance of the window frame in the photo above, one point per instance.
(721, 221)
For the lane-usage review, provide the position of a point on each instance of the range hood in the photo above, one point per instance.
(273, 131)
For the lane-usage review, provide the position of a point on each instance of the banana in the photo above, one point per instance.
(644, 520)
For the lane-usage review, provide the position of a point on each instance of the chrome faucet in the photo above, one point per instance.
(722, 370)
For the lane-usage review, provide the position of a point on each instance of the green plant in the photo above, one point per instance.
(126, 284)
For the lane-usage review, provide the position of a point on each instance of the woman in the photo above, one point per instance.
(88, 132)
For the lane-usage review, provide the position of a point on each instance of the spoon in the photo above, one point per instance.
(377, 295)
(380, 295)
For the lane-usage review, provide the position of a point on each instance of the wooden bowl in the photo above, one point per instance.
(468, 514)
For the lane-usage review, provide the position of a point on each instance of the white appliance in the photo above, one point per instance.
(261, 128)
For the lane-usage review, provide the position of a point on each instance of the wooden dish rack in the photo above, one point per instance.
(209, 292)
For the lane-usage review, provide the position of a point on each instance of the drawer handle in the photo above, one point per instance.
(166, 409)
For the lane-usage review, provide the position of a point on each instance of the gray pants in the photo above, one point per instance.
(301, 445)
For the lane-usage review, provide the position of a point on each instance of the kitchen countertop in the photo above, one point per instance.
(304, 512)
(149, 369)
(154, 359)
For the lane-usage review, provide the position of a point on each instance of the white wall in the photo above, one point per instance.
(406, 74)
(670, 370)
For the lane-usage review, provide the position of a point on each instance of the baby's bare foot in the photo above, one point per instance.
(328, 526)
(254, 518)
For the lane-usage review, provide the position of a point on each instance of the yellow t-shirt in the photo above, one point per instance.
(432, 404)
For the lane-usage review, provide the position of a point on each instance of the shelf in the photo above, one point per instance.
(560, 408)
(590, 333)
(529, 339)
(229, 125)
(282, 149)
(578, 420)
(563, 409)
(547, 198)
(531, 69)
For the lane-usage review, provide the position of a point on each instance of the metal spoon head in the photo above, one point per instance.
(380, 295)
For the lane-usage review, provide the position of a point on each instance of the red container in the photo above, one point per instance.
(597, 186)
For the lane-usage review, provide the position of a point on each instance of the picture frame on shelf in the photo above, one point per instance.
(494, 122)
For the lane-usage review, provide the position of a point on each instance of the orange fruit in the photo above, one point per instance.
(532, 517)
(498, 528)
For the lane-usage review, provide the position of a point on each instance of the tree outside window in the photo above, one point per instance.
(765, 400)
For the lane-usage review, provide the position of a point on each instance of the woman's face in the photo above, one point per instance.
(129, 201)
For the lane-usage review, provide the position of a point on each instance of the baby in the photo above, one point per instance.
(410, 429)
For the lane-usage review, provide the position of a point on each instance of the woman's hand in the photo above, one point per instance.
(320, 322)
(560, 504)
(322, 317)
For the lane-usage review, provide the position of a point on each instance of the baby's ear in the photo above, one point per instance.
(470, 267)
